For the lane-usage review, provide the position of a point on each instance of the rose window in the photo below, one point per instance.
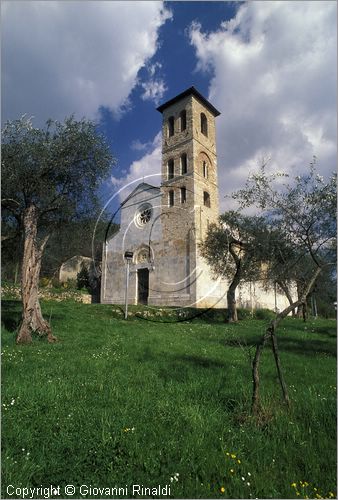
(143, 215)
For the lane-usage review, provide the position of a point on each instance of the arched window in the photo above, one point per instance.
(183, 195)
(183, 120)
(171, 126)
(206, 199)
(184, 164)
(170, 169)
(171, 198)
(205, 169)
(204, 124)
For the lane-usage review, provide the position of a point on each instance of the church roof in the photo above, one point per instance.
(144, 186)
(195, 93)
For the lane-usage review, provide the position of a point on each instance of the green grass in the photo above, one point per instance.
(118, 403)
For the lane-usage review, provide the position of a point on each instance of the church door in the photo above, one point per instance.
(143, 286)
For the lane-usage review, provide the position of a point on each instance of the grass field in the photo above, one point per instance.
(116, 403)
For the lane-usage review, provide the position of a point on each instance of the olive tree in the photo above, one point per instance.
(304, 210)
(235, 248)
(49, 176)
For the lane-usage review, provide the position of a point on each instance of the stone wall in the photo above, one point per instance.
(70, 269)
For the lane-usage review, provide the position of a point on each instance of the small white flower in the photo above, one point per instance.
(243, 478)
(249, 473)
(248, 484)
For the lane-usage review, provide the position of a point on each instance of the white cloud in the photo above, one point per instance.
(153, 90)
(72, 57)
(152, 68)
(147, 169)
(274, 80)
(137, 145)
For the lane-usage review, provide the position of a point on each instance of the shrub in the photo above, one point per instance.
(264, 314)
(44, 282)
(55, 282)
(244, 313)
(70, 284)
(83, 278)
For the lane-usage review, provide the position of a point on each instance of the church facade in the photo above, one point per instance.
(163, 226)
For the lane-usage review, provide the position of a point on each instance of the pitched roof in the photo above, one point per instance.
(147, 187)
(195, 93)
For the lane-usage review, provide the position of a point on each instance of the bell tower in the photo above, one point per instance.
(189, 161)
(189, 180)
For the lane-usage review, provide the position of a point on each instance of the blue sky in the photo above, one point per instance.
(269, 67)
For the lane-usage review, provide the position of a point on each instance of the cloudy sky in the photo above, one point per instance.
(269, 67)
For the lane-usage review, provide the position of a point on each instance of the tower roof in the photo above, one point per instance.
(195, 93)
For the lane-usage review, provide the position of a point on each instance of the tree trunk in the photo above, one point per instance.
(300, 308)
(271, 333)
(231, 294)
(16, 272)
(304, 311)
(278, 365)
(255, 404)
(32, 320)
(287, 293)
(232, 309)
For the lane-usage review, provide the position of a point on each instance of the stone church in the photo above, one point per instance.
(163, 226)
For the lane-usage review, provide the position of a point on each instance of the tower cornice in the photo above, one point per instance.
(190, 91)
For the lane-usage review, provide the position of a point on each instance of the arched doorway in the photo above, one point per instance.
(142, 285)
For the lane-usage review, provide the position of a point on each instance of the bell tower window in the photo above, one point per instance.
(170, 169)
(171, 126)
(183, 120)
(205, 169)
(206, 199)
(171, 198)
(183, 195)
(184, 164)
(204, 124)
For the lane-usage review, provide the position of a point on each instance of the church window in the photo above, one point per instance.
(183, 195)
(205, 169)
(204, 124)
(171, 169)
(171, 126)
(143, 215)
(183, 120)
(206, 199)
(171, 198)
(184, 164)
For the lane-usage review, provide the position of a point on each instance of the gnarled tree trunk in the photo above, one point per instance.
(287, 293)
(231, 294)
(270, 333)
(32, 319)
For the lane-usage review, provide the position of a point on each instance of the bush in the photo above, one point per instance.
(244, 313)
(83, 279)
(44, 282)
(55, 282)
(70, 284)
(264, 314)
